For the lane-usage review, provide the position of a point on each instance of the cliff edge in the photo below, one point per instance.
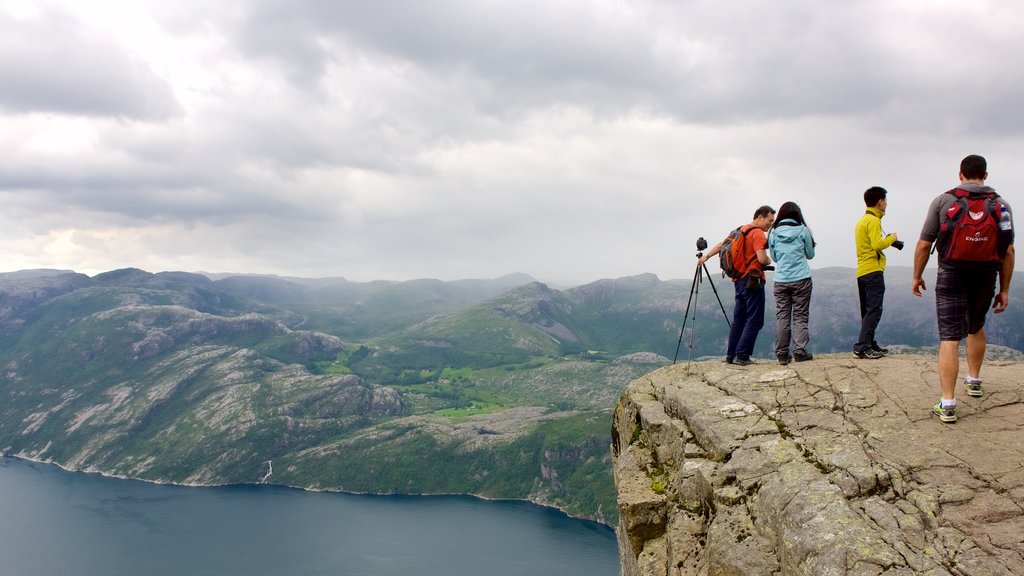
(830, 467)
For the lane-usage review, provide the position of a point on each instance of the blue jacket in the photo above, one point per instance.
(791, 246)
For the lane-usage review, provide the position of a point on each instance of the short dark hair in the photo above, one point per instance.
(873, 195)
(763, 211)
(974, 167)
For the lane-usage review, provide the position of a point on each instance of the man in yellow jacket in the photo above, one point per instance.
(871, 241)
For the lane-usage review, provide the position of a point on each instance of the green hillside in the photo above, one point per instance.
(501, 388)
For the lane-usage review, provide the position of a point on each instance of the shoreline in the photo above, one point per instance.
(561, 510)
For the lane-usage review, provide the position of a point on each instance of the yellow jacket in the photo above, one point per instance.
(870, 241)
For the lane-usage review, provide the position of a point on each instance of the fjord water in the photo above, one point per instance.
(58, 522)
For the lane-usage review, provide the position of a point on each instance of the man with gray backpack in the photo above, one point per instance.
(971, 228)
(743, 257)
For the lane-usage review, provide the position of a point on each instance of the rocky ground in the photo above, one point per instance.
(833, 466)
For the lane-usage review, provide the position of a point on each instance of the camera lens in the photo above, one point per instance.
(898, 244)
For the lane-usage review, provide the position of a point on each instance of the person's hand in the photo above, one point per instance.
(702, 260)
(999, 304)
(917, 286)
(894, 236)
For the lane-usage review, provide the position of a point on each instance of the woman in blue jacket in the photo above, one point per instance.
(791, 245)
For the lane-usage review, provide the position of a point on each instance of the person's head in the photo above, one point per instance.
(789, 211)
(874, 197)
(973, 167)
(764, 217)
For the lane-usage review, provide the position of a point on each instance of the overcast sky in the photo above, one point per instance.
(571, 140)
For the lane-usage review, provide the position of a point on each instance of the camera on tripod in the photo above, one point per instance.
(698, 277)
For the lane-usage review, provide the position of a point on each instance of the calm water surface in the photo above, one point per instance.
(54, 522)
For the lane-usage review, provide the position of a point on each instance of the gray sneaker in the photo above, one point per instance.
(869, 354)
(974, 388)
(947, 414)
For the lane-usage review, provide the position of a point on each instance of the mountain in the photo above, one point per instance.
(501, 388)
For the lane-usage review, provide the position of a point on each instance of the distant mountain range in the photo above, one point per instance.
(501, 388)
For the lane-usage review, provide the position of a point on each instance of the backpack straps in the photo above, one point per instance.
(960, 193)
(753, 258)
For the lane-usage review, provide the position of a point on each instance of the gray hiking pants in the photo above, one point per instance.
(792, 312)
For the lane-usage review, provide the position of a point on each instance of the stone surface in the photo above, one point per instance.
(830, 467)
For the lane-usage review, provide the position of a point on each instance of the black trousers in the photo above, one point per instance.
(871, 288)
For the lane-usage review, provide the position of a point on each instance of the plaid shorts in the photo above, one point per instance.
(962, 300)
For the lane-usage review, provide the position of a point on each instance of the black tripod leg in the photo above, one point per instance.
(693, 322)
(689, 300)
(715, 290)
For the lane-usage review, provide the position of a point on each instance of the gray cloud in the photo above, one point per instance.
(570, 140)
(700, 62)
(56, 65)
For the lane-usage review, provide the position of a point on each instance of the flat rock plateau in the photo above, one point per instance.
(833, 466)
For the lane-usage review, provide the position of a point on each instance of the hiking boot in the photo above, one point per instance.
(880, 350)
(869, 354)
(974, 388)
(783, 360)
(742, 361)
(947, 414)
(804, 357)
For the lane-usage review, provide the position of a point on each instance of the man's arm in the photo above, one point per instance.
(921, 254)
(760, 240)
(1005, 273)
(879, 241)
(707, 255)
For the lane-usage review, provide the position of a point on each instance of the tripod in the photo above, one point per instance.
(702, 268)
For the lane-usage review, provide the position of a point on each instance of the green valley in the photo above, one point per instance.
(501, 388)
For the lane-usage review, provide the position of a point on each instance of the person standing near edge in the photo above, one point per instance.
(870, 241)
(748, 312)
(965, 284)
(791, 245)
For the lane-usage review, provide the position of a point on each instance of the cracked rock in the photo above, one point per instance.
(832, 466)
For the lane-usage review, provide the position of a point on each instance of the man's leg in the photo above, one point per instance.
(873, 287)
(951, 312)
(863, 297)
(981, 289)
(739, 319)
(949, 365)
(755, 320)
(975, 353)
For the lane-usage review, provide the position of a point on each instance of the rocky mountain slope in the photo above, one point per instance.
(500, 388)
(174, 377)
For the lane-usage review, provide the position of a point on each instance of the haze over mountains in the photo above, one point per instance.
(501, 388)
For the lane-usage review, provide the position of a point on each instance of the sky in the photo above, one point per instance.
(570, 140)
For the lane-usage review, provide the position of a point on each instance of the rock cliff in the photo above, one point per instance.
(829, 467)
